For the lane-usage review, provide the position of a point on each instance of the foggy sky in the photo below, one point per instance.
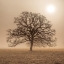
(12, 8)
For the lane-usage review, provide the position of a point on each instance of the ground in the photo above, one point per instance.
(17, 56)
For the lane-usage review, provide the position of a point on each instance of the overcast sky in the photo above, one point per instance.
(12, 8)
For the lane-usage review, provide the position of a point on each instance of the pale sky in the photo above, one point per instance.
(12, 8)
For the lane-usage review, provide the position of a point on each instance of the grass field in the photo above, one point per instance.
(35, 57)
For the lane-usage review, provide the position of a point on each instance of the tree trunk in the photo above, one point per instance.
(31, 46)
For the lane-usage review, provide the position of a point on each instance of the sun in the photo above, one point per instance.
(50, 8)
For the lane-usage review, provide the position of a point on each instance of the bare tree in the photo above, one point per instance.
(32, 28)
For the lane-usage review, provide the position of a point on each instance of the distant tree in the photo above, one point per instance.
(32, 28)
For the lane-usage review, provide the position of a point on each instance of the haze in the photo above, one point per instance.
(12, 8)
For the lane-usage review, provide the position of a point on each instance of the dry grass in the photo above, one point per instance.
(34, 57)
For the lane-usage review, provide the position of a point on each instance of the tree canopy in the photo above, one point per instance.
(32, 28)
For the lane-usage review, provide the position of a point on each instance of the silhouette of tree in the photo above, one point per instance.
(32, 28)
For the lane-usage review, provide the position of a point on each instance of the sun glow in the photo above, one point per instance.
(50, 8)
